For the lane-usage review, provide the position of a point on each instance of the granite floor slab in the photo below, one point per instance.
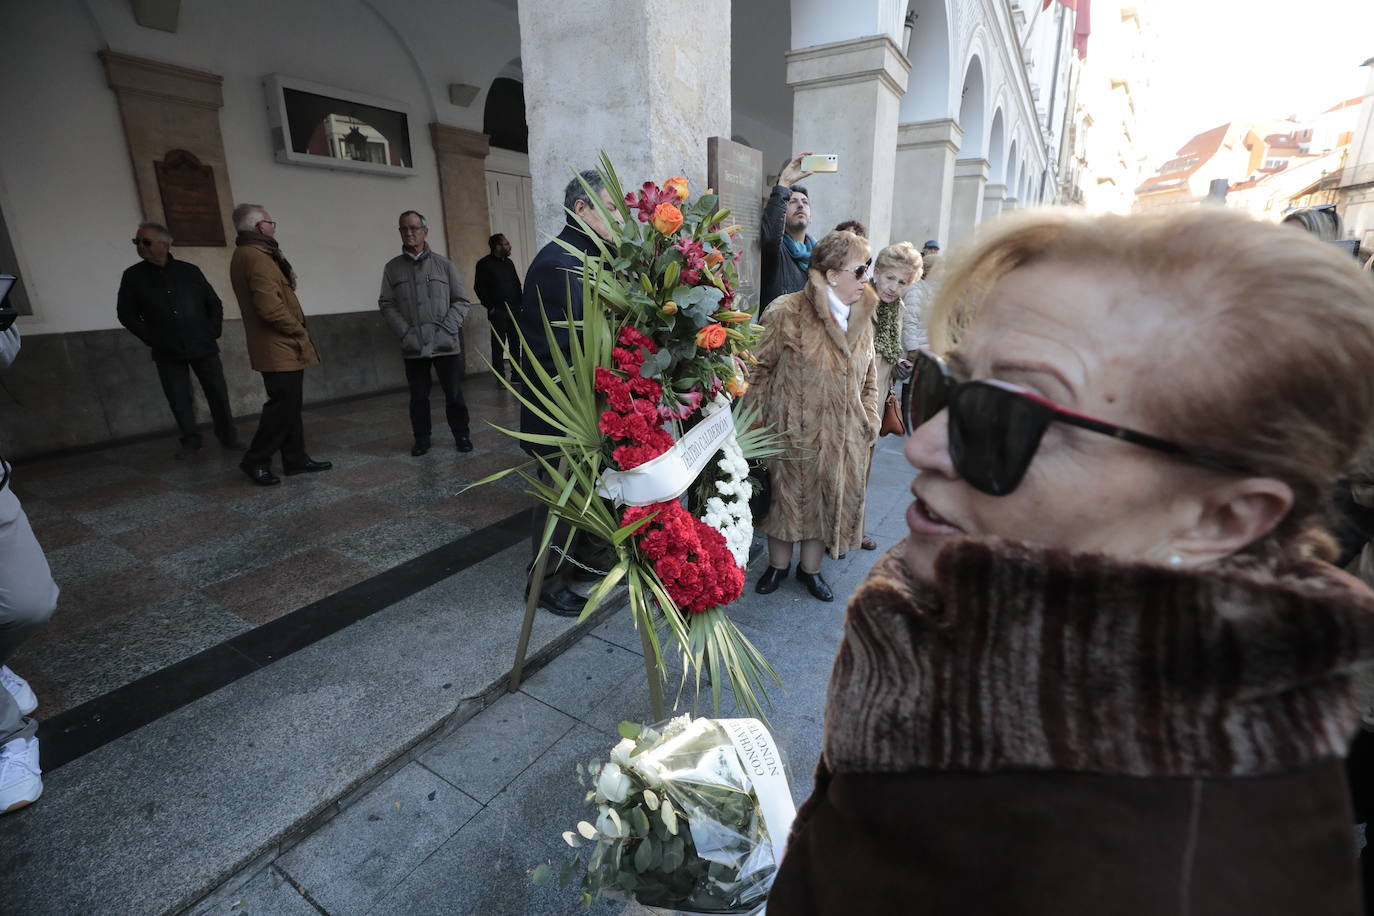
(355, 859)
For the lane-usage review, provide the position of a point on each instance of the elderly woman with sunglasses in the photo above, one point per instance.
(1108, 671)
(816, 385)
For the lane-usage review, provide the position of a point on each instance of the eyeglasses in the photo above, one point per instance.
(406, 230)
(862, 272)
(270, 222)
(995, 427)
(144, 243)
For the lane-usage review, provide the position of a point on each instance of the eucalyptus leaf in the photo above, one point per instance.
(644, 855)
(639, 821)
(572, 839)
(673, 854)
(586, 829)
(541, 874)
(630, 730)
(651, 799)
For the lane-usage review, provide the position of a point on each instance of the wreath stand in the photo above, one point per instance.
(541, 565)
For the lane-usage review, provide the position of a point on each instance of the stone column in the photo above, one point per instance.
(994, 200)
(165, 107)
(636, 80)
(924, 180)
(966, 210)
(845, 101)
(461, 158)
(1011, 203)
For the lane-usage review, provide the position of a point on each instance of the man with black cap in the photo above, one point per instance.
(931, 246)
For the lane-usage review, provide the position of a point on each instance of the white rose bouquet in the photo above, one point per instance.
(690, 816)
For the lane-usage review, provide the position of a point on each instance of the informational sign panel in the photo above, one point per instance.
(190, 203)
(735, 171)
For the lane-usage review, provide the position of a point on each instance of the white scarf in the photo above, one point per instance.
(838, 309)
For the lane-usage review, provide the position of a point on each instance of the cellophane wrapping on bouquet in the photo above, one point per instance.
(691, 816)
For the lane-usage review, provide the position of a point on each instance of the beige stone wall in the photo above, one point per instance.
(461, 158)
(165, 107)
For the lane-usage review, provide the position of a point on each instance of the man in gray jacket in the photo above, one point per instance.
(425, 302)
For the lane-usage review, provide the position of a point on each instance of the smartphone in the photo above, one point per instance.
(820, 162)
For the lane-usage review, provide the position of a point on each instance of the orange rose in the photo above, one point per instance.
(678, 185)
(667, 218)
(670, 307)
(713, 258)
(736, 387)
(711, 337)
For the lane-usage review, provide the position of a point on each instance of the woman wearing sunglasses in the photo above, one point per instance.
(1108, 671)
(815, 383)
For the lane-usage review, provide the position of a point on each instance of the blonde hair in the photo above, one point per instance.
(901, 256)
(1272, 360)
(835, 248)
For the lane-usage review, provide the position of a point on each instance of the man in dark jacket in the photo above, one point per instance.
(553, 287)
(171, 307)
(498, 288)
(784, 246)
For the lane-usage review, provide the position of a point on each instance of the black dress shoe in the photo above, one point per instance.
(463, 443)
(770, 580)
(565, 602)
(818, 587)
(420, 447)
(260, 475)
(310, 467)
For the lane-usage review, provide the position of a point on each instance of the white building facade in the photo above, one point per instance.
(943, 114)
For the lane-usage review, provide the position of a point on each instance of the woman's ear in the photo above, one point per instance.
(1233, 517)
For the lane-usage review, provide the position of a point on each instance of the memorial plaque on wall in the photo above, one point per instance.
(736, 173)
(190, 204)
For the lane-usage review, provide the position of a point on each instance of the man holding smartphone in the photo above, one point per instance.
(784, 246)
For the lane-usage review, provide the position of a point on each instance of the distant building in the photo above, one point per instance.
(1111, 94)
(1266, 165)
(1355, 190)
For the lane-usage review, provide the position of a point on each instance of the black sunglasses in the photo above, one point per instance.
(995, 427)
(144, 243)
(861, 272)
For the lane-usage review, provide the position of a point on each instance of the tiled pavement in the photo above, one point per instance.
(160, 556)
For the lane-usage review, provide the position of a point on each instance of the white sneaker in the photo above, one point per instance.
(20, 778)
(19, 688)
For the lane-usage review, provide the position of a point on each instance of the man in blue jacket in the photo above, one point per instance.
(553, 287)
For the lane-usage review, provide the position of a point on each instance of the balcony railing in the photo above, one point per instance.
(1353, 175)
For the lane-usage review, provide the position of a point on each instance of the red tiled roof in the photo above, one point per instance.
(1348, 103)
(1199, 149)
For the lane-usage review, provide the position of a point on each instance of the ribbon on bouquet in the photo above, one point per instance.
(759, 754)
(669, 475)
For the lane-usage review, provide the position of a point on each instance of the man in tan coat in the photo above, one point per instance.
(279, 345)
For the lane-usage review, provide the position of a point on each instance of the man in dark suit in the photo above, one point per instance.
(498, 288)
(553, 287)
(171, 307)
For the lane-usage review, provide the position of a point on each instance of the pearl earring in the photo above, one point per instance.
(1175, 560)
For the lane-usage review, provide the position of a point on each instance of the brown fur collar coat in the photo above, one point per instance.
(817, 386)
(1044, 732)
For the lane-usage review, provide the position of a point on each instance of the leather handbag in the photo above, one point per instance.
(892, 417)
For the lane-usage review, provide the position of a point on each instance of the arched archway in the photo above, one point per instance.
(503, 117)
(927, 88)
(971, 106)
(997, 162)
(1013, 174)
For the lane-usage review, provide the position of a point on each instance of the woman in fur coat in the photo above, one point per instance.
(1108, 670)
(816, 385)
